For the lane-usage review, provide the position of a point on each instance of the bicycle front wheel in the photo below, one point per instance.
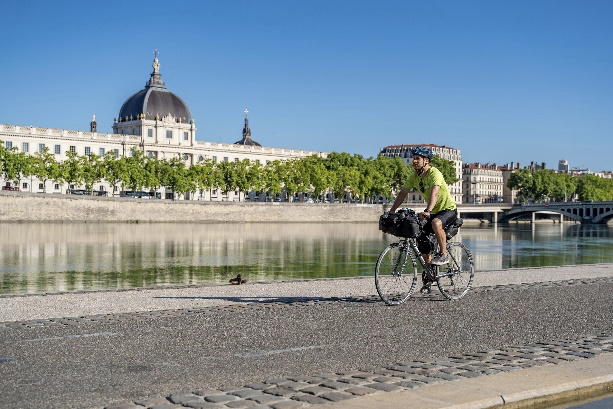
(455, 278)
(395, 274)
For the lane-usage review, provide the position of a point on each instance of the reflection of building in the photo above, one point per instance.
(447, 153)
(154, 121)
(483, 183)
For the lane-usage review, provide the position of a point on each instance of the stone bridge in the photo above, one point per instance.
(583, 212)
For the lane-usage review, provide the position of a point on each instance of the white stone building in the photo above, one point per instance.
(154, 121)
(483, 183)
(445, 152)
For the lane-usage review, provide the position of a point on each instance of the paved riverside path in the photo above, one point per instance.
(291, 344)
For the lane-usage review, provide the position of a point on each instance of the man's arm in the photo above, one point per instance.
(399, 199)
(431, 203)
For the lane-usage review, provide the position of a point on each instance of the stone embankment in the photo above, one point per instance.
(33, 207)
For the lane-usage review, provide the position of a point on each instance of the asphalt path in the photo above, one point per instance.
(93, 363)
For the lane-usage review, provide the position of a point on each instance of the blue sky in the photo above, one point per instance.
(503, 81)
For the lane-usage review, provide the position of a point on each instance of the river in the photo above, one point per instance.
(52, 257)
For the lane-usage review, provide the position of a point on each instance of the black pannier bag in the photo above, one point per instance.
(403, 223)
(453, 228)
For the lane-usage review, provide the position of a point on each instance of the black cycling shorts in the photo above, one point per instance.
(425, 245)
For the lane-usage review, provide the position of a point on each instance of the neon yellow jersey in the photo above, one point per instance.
(433, 177)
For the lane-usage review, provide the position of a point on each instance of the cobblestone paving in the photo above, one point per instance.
(305, 391)
(302, 391)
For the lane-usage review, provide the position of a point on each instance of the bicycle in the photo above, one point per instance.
(396, 280)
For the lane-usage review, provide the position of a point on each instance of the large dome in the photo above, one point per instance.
(155, 101)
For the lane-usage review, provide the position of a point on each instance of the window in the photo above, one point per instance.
(200, 158)
(25, 147)
(41, 148)
(236, 160)
(101, 152)
(150, 154)
(214, 159)
(40, 186)
(57, 150)
(24, 185)
(8, 145)
(225, 159)
(73, 149)
(132, 153)
(56, 186)
(168, 134)
(88, 151)
(150, 133)
(185, 156)
(101, 188)
(185, 136)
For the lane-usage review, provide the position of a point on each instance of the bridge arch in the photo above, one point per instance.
(586, 212)
(515, 214)
(604, 217)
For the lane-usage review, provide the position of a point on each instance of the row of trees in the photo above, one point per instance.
(340, 173)
(547, 185)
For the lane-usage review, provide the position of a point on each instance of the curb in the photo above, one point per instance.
(552, 395)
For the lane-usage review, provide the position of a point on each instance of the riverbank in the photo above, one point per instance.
(33, 207)
(82, 303)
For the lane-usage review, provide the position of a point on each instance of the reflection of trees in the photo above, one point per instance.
(54, 257)
(39, 257)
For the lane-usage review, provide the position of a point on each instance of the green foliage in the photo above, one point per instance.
(446, 167)
(342, 174)
(547, 185)
(590, 187)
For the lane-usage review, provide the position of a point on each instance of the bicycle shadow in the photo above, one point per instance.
(283, 300)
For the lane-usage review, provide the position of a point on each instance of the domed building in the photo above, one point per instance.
(156, 114)
(154, 121)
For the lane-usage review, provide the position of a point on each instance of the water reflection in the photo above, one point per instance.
(45, 257)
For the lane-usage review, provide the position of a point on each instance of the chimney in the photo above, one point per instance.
(92, 125)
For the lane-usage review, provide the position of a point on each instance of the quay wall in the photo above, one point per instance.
(33, 207)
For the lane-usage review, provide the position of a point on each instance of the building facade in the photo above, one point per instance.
(483, 183)
(445, 152)
(154, 121)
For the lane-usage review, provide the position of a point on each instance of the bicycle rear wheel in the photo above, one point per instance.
(395, 274)
(455, 278)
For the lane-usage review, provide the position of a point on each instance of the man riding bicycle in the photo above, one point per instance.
(440, 211)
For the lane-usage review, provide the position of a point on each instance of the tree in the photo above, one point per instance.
(178, 179)
(272, 178)
(316, 174)
(255, 178)
(92, 170)
(71, 169)
(240, 174)
(522, 182)
(15, 165)
(591, 187)
(133, 170)
(44, 166)
(202, 174)
(446, 167)
(113, 170)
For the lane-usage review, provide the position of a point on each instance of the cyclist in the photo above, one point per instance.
(440, 210)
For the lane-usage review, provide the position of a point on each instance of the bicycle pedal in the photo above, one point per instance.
(425, 289)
